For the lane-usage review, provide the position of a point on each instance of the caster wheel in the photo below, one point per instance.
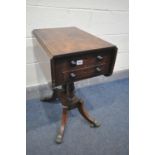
(95, 124)
(59, 139)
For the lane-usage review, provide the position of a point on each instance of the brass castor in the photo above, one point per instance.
(95, 124)
(61, 130)
(59, 138)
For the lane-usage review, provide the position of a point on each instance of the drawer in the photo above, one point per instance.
(84, 73)
(82, 65)
(82, 61)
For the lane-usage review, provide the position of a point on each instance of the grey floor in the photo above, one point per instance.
(107, 102)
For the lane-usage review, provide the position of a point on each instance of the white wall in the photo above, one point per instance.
(108, 19)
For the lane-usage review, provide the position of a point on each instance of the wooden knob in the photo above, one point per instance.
(73, 63)
(99, 57)
(98, 69)
(72, 75)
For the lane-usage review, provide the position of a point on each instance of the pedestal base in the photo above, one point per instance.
(69, 101)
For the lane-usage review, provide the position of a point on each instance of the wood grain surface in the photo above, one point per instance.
(67, 40)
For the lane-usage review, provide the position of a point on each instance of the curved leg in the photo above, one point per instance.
(64, 119)
(84, 113)
(50, 97)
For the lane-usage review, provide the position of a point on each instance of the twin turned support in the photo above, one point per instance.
(69, 101)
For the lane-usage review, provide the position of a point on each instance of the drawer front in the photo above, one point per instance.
(82, 61)
(84, 65)
(84, 73)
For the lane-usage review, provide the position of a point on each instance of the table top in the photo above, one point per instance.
(68, 40)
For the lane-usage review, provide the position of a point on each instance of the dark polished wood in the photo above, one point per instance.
(72, 50)
(70, 101)
(85, 114)
(74, 55)
(64, 67)
(68, 40)
(64, 119)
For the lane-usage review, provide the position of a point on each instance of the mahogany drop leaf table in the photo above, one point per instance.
(74, 55)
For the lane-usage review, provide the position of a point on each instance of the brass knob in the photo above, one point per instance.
(73, 63)
(98, 69)
(72, 75)
(99, 57)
